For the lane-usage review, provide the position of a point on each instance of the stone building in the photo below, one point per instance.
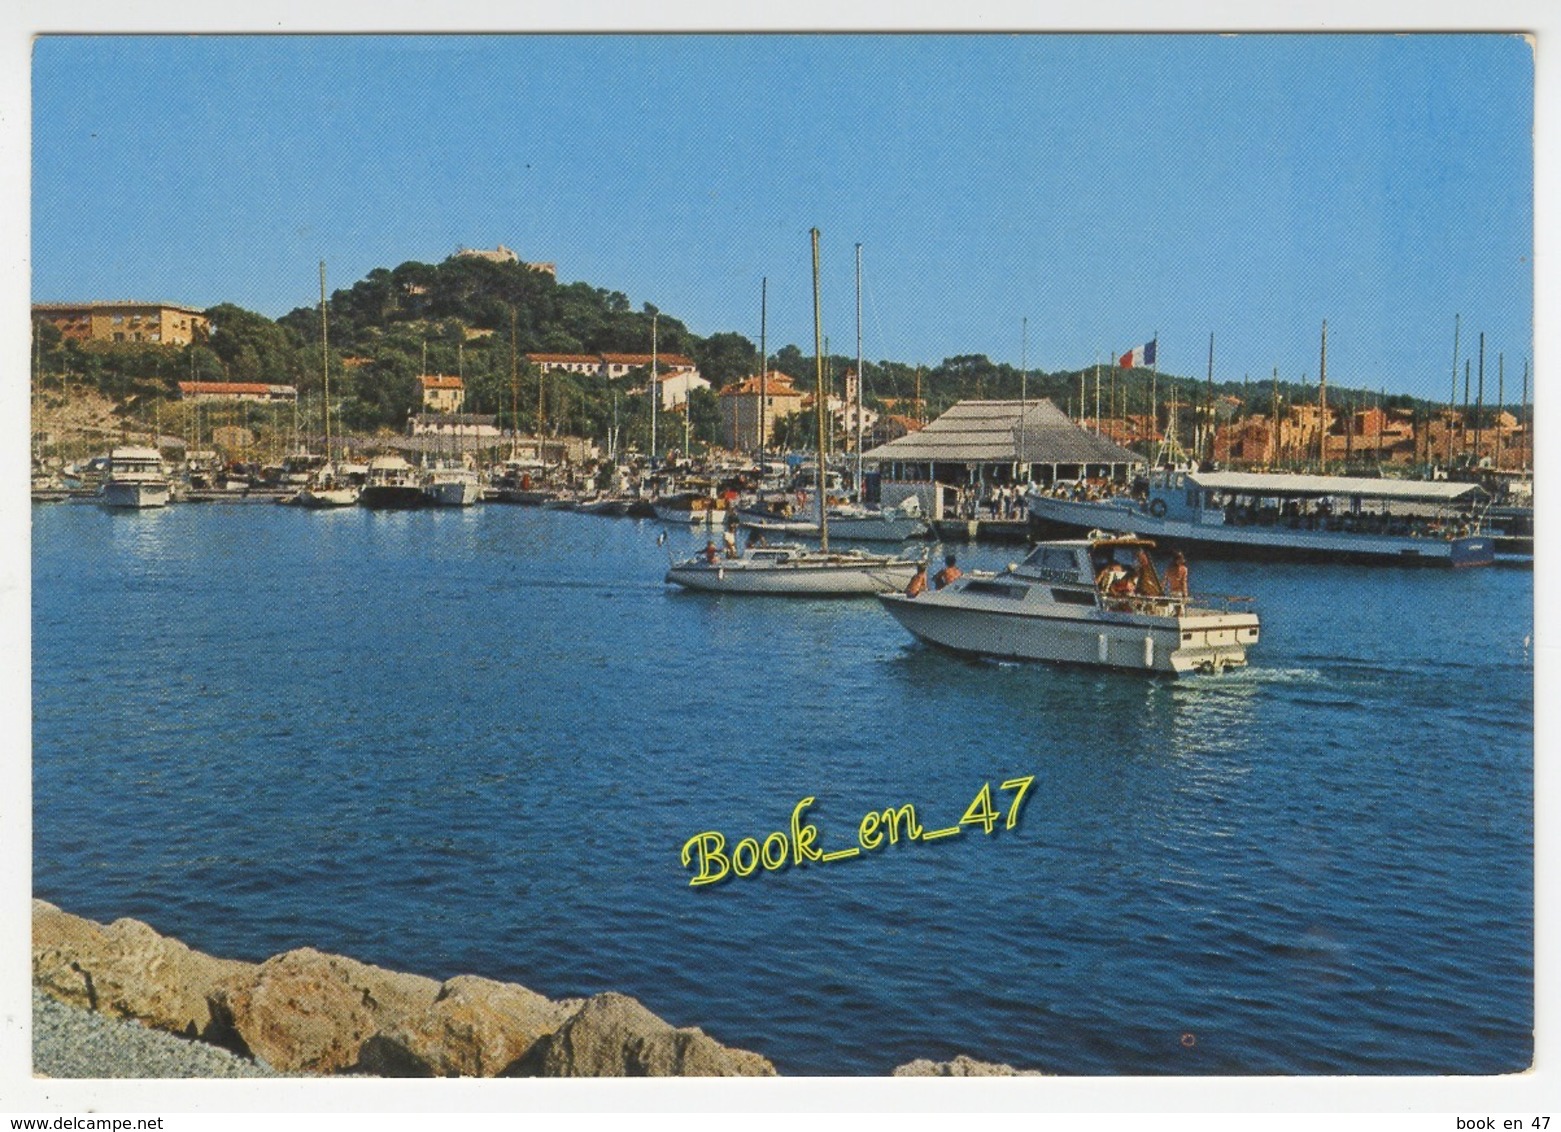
(166, 324)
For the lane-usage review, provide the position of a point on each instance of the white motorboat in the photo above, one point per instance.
(135, 479)
(453, 487)
(1289, 516)
(796, 571)
(1095, 601)
(689, 509)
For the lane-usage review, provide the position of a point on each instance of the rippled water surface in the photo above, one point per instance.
(454, 742)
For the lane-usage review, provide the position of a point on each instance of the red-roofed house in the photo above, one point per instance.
(743, 417)
(235, 391)
(443, 394)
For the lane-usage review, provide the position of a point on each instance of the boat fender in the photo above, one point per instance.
(1157, 508)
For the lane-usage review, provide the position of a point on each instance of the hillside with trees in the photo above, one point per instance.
(479, 319)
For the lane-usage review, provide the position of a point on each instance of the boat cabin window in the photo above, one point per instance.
(996, 589)
(1056, 563)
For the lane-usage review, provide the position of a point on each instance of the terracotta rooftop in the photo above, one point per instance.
(777, 384)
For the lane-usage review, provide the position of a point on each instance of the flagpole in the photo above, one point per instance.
(1024, 381)
(1154, 391)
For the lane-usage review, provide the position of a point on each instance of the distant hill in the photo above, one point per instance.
(479, 319)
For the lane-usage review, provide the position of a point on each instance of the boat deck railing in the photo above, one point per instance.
(1165, 605)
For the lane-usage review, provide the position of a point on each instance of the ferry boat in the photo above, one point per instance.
(1290, 516)
(795, 571)
(135, 479)
(1094, 601)
(392, 486)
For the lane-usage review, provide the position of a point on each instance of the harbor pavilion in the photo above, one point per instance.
(982, 445)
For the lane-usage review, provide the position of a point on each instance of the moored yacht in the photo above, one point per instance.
(1096, 601)
(135, 479)
(392, 486)
(453, 486)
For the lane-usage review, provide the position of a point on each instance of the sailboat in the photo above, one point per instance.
(324, 489)
(855, 521)
(794, 570)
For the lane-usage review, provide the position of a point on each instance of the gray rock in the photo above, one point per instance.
(475, 1028)
(961, 1066)
(613, 1035)
(306, 1011)
(125, 969)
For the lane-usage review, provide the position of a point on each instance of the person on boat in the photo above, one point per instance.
(729, 542)
(918, 584)
(755, 537)
(712, 555)
(1176, 575)
(948, 574)
(1111, 577)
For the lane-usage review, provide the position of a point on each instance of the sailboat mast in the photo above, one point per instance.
(655, 394)
(325, 365)
(1452, 397)
(859, 494)
(1024, 391)
(1479, 403)
(764, 359)
(514, 389)
(1208, 406)
(1322, 404)
(818, 400)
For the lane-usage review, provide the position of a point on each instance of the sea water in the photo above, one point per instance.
(478, 741)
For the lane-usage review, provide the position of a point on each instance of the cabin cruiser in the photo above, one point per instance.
(1286, 515)
(796, 571)
(453, 486)
(392, 485)
(135, 478)
(1096, 600)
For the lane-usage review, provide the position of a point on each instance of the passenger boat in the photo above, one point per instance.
(135, 479)
(1061, 604)
(1302, 517)
(392, 486)
(796, 571)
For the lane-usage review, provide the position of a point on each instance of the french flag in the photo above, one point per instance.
(1138, 356)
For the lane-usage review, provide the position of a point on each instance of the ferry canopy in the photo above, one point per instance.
(1294, 485)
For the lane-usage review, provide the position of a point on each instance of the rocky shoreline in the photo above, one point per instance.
(308, 1013)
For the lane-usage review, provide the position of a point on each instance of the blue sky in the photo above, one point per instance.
(1104, 187)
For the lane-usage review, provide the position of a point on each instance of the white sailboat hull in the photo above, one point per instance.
(320, 498)
(805, 574)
